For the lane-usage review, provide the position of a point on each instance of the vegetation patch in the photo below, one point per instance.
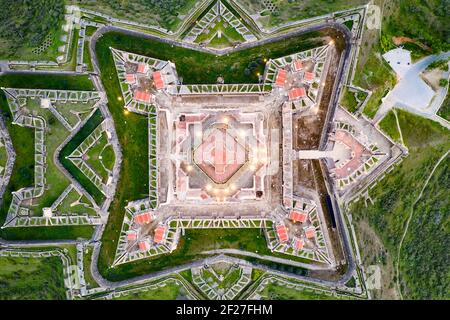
(426, 22)
(31, 279)
(167, 14)
(30, 29)
(444, 111)
(393, 197)
(389, 126)
(275, 291)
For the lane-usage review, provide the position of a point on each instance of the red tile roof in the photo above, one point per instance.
(131, 235)
(142, 96)
(309, 76)
(142, 218)
(130, 78)
(160, 234)
(142, 68)
(282, 233)
(298, 244)
(298, 65)
(297, 93)
(298, 216)
(281, 78)
(144, 245)
(310, 232)
(158, 80)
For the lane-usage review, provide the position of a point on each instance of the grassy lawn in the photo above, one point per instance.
(76, 203)
(95, 159)
(389, 126)
(229, 34)
(3, 157)
(74, 112)
(229, 280)
(444, 111)
(349, 101)
(31, 278)
(170, 291)
(422, 255)
(87, 256)
(376, 75)
(36, 81)
(81, 135)
(275, 291)
(108, 157)
(87, 56)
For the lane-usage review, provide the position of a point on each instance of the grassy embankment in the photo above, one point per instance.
(424, 257)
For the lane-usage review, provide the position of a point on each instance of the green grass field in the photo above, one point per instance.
(424, 257)
(169, 291)
(376, 75)
(31, 279)
(389, 126)
(87, 258)
(95, 158)
(159, 13)
(444, 111)
(275, 291)
(36, 81)
(286, 11)
(349, 101)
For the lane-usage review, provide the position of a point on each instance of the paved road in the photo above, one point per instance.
(413, 94)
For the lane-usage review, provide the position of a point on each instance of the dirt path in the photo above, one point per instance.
(401, 40)
(409, 220)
